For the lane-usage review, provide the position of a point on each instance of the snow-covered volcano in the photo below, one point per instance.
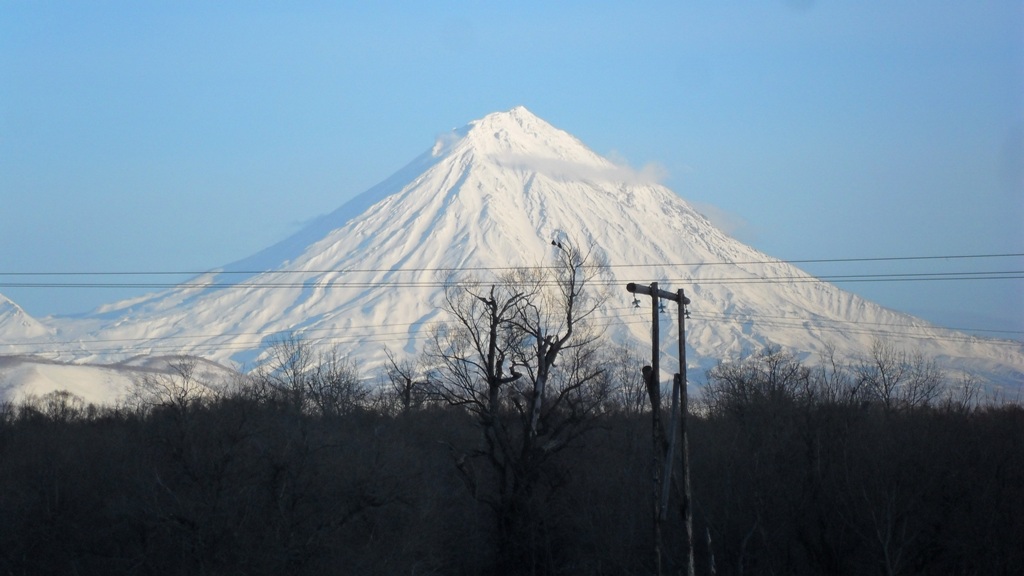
(490, 195)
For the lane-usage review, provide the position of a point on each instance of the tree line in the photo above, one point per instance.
(520, 443)
(792, 473)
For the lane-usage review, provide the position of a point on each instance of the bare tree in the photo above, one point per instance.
(895, 379)
(964, 395)
(771, 377)
(473, 353)
(555, 321)
(281, 376)
(407, 384)
(521, 358)
(178, 389)
(831, 382)
(306, 380)
(58, 406)
(333, 385)
(628, 390)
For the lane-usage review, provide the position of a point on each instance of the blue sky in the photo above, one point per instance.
(164, 136)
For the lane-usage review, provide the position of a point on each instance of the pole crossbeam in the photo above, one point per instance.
(649, 291)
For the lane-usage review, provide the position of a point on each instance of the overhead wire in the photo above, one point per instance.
(508, 268)
(369, 334)
(752, 279)
(232, 341)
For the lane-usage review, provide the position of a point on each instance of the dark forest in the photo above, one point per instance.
(795, 470)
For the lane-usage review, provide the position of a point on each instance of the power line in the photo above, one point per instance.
(963, 275)
(372, 329)
(335, 283)
(370, 334)
(509, 268)
(762, 317)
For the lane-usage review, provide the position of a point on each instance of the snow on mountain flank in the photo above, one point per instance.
(494, 194)
(16, 324)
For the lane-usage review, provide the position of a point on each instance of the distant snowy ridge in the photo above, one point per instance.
(16, 324)
(490, 195)
(24, 378)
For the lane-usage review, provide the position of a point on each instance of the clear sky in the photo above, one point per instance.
(172, 135)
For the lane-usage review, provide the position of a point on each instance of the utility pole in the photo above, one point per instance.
(665, 445)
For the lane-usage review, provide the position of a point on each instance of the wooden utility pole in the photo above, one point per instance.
(665, 444)
(680, 386)
(652, 378)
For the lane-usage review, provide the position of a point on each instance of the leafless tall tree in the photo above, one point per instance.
(520, 355)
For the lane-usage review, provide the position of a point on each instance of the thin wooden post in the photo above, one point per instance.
(687, 509)
(657, 434)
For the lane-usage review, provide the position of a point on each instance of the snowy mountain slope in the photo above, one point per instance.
(16, 324)
(494, 194)
(25, 377)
